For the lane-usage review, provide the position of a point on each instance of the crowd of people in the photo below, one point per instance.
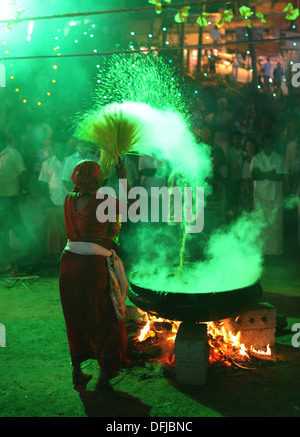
(34, 184)
(256, 163)
(48, 203)
(256, 160)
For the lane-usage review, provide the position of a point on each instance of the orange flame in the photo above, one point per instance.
(149, 330)
(227, 338)
(146, 332)
(222, 343)
(267, 353)
(175, 327)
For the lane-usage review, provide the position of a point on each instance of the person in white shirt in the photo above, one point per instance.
(84, 150)
(12, 170)
(55, 191)
(293, 169)
(51, 174)
(267, 73)
(268, 170)
(237, 62)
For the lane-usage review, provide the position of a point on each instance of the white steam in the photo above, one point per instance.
(166, 136)
(233, 260)
(232, 256)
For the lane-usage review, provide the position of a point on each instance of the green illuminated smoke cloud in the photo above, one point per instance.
(232, 256)
(232, 259)
(164, 134)
(151, 90)
(143, 88)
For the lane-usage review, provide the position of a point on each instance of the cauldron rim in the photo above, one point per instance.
(199, 307)
(193, 293)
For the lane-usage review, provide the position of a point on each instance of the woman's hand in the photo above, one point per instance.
(114, 228)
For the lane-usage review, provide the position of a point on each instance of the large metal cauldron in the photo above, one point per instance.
(195, 307)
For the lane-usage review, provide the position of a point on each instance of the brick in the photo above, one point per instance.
(260, 317)
(191, 354)
(257, 326)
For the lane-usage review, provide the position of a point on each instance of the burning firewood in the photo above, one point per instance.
(225, 348)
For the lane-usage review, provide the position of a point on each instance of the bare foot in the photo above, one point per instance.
(80, 379)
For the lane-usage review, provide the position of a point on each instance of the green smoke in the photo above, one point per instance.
(232, 258)
(146, 88)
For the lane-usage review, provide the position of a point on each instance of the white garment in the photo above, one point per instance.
(118, 285)
(237, 60)
(272, 231)
(51, 173)
(268, 190)
(11, 166)
(118, 282)
(267, 69)
(87, 248)
(268, 198)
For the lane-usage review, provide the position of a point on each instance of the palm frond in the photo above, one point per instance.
(112, 130)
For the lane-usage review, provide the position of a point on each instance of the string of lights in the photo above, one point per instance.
(120, 11)
(168, 47)
(155, 49)
(110, 11)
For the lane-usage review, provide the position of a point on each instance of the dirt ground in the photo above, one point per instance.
(36, 371)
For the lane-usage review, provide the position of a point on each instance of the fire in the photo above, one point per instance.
(230, 347)
(267, 353)
(149, 329)
(221, 341)
(224, 346)
(146, 332)
(175, 326)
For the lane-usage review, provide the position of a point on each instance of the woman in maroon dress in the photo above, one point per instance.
(93, 329)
